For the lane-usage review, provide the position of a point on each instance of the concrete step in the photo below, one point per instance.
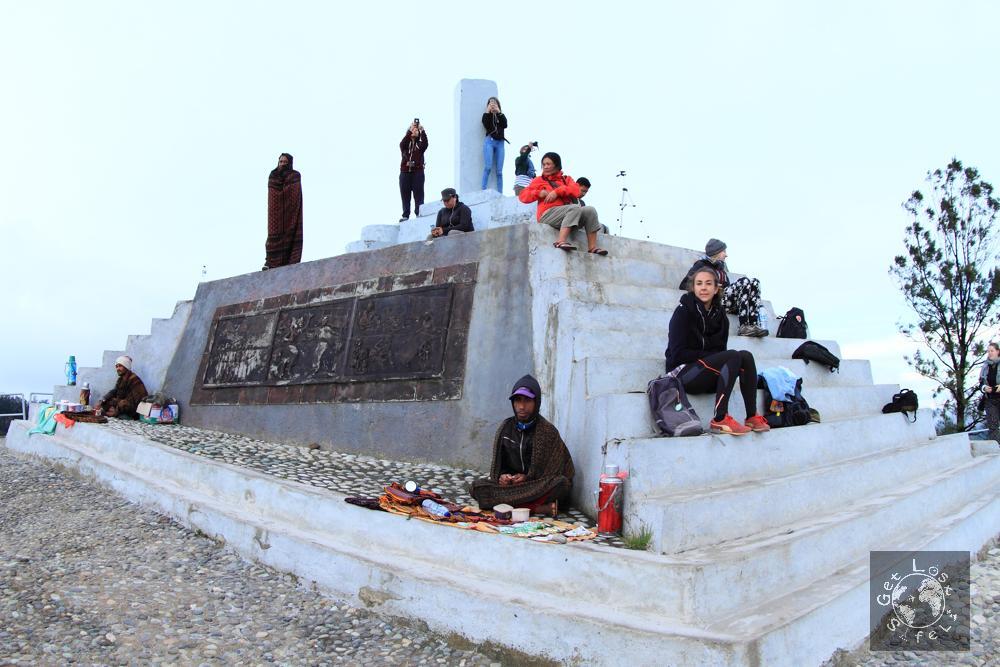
(629, 416)
(658, 465)
(585, 267)
(613, 375)
(650, 321)
(699, 517)
(739, 573)
(630, 344)
(311, 531)
(832, 610)
(362, 246)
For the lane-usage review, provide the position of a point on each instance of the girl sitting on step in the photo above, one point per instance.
(698, 335)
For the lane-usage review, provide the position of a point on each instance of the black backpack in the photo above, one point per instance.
(813, 351)
(905, 401)
(793, 325)
(670, 406)
(791, 410)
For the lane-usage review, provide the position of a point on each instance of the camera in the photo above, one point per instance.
(534, 144)
(416, 121)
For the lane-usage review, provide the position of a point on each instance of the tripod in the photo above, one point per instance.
(625, 202)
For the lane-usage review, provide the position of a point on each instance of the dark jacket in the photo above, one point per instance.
(548, 464)
(459, 218)
(495, 123)
(719, 267)
(516, 440)
(694, 332)
(988, 376)
(412, 150)
(126, 395)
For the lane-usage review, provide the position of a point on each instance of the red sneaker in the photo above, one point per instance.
(757, 424)
(728, 426)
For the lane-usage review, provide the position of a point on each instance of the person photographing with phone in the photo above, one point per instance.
(493, 145)
(988, 378)
(411, 168)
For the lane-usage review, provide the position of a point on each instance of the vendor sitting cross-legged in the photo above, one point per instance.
(531, 466)
(127, 393)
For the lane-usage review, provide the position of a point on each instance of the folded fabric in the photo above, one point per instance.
(780, 382)
(65, 421)
(46, 422)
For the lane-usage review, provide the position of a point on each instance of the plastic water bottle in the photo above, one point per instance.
(762, 318)
(435, 508)
(71, 371)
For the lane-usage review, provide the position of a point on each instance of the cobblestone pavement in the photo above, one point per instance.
(88, 578)
(350, 474)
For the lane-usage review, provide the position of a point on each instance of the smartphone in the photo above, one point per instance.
(416, 121)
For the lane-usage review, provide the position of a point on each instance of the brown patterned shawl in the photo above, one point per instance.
(550, 473)
(126, 396)
(284, 217)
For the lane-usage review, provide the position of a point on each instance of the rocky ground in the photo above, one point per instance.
(88, 578)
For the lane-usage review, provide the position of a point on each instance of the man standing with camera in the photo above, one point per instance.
(411, 168)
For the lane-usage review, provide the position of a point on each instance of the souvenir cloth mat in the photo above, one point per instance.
(399, 501)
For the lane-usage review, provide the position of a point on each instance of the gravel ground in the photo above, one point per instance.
(88, 578)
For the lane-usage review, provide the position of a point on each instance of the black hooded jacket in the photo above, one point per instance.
(695, 332)
(516, 443)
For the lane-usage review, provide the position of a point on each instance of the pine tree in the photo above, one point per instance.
(950, 280)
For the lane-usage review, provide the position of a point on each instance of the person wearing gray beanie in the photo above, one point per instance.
(741, 298)
(714, 247)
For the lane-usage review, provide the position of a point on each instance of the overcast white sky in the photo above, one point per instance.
(138, 138)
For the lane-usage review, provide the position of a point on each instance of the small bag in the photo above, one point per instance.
(793, 325)
(793, 410)
(813, 351)
(905, 401)
(670, 406)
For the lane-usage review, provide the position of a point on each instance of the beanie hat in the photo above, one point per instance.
(125, 361)
(714, 247)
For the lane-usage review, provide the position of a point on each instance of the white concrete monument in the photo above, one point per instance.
(470, 102)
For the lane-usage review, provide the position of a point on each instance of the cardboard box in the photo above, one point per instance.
(152, 413)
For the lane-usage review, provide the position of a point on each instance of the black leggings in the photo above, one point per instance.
(718, 372)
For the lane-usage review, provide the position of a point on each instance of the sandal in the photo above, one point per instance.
(562, 245)
(599, 251)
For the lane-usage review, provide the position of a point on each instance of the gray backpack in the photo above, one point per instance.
(670, 406)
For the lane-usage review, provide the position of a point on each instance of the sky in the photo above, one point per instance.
(138, 138)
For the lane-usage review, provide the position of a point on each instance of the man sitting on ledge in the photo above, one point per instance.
(127, 394)
(531, 466)
(455, 217)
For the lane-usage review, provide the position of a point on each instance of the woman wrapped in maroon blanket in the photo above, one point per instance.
(284, 215)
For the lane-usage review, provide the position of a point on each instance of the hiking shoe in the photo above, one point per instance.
(761, 331)
(757, 424)
(728, 426)
(746, 330)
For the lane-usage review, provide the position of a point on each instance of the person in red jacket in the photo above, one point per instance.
(558, 204)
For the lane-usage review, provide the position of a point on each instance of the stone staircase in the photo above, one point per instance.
(151, 354)
(770, 533)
